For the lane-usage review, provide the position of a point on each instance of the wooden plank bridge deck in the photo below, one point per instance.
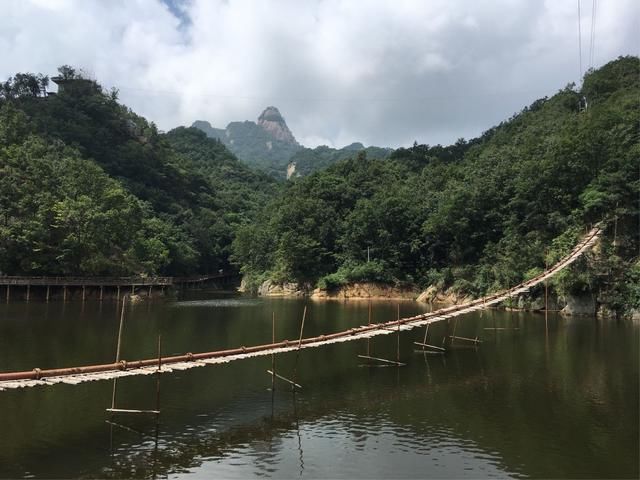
(75, 375)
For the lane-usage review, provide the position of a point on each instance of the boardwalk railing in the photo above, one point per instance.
(74, 375)
(109, 281)
(87, 281)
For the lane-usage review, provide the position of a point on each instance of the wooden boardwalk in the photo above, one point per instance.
(108, 281)
(75, 375)
(64, 286)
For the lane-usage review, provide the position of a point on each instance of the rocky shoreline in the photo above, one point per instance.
(569, 305)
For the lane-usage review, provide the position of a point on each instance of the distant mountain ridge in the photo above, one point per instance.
(270, 146)
(267, 144)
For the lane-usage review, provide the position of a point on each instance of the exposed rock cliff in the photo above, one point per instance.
(271, 121)
(368, 290)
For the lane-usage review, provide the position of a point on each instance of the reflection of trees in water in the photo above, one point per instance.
(492, 400)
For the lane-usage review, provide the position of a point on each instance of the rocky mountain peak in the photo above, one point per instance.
(272, 121)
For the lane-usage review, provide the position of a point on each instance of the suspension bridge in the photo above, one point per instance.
(153, 366)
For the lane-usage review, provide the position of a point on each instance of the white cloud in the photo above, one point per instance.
(379, 72)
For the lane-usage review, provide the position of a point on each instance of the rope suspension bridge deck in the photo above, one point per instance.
(123, 368)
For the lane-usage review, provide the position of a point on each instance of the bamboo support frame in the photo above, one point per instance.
(475, 340)
(384, 360)
(113, 394)
(131, 410)
(273, 355)
(426, 345)
(285, 379)
(295, 366)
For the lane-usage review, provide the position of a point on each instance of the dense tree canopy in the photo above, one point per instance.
(477, 215)
(89, 187)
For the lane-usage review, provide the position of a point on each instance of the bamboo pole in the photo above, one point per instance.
(273, 356)
(292, 383)
(369, 324)
(426, 345)
(8, 292)
(113, 395)
(28, 292)
(295, 366)
(426, 332)
(158, 374)
(48, 287)
(475, 340)
(129, 410)
(400, 364)
(398, 342)
(455, 325)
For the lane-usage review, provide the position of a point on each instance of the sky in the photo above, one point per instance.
(384, 73)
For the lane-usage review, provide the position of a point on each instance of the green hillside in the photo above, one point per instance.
(309, 160)
(280, 155)
(89, 187)
(478, 215)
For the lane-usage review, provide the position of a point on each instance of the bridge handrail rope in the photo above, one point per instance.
(74, 375)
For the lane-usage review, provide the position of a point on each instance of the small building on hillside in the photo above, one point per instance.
(75, 86)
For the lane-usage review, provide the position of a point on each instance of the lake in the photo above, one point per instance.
(554, 397)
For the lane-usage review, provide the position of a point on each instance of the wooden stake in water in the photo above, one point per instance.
(113, 395)
(158, 374)
(426, 332)
(398, 346)
(295, 367)
(368, 339)
(273, 355)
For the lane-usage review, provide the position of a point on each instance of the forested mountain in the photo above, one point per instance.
(309, 160)
(267, 144)
(270, 146)
(87, 187)
(478, 215)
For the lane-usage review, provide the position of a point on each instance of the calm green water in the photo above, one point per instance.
(536, 401)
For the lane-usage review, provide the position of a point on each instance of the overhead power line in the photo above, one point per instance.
(579, 41)
(592, 48)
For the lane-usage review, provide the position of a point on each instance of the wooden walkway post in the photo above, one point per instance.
(101, 292)
(28, 292)
(8, 292)
(64, 293)
(48, 287)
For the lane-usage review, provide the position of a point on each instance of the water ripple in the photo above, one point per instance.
(220, 302)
